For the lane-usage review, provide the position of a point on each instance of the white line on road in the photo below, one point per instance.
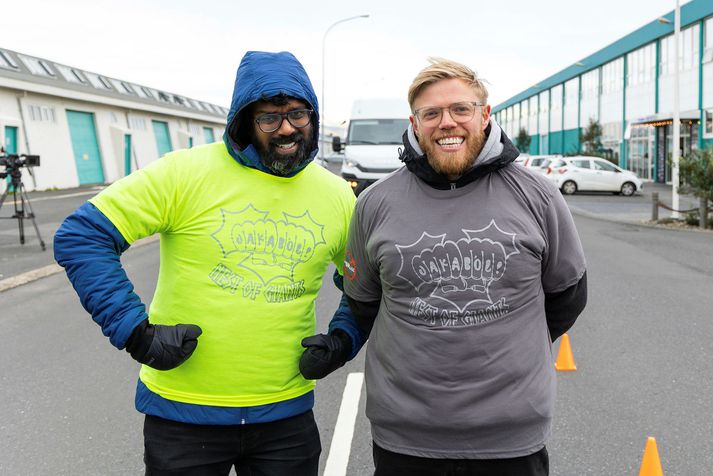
(338, 458)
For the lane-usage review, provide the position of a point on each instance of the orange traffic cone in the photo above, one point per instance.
(565, 360)
(651, 464)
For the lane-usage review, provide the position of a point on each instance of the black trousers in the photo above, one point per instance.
(285, 447)
(394, 464)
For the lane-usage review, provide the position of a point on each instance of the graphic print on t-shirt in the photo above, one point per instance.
(453, 275)
(263, 250)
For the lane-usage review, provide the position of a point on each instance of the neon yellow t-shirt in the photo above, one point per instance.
(242, 254)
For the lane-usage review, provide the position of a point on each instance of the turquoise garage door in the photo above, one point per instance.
(85, 146)
(163, 139)
(208, 135)
(10, 147)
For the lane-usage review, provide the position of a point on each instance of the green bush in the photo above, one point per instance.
(696, 173)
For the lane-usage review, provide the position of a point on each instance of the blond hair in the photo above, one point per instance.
(441, 69)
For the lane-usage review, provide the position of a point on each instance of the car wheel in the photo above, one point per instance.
(569, 187)
(628, 189)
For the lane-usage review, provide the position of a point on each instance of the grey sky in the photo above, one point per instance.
(194, 47)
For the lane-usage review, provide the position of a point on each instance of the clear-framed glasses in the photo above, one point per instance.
(460, 112)
(271, 121)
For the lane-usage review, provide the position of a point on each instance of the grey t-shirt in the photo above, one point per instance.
(459, 362)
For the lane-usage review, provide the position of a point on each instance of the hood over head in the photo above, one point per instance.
(497, 152)
(263, 75)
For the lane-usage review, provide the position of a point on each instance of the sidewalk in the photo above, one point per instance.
(636, 209)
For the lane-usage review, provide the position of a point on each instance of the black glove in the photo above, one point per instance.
(324, 353)
(163, 347)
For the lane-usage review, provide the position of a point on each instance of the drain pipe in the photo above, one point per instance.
(24, 134)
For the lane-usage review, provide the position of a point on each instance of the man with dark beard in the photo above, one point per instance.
(248, 228)
(464, 268)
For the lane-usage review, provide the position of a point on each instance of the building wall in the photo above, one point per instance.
(707, 84)
(45, 131)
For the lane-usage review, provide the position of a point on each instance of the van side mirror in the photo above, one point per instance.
(337, 144)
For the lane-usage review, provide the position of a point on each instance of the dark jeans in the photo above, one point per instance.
(394, 464)
(285, 447)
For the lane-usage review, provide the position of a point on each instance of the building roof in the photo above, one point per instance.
(30, 73)
(691, 12)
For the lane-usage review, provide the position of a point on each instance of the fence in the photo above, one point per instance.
(703, 210)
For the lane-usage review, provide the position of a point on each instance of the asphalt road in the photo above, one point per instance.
(642, 349)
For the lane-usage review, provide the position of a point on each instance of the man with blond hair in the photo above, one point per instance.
(464, 268)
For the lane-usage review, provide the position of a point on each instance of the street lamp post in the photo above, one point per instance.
(324, 38)
(676, 115)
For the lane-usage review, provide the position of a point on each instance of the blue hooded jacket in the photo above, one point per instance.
(263, 75)
(89, 246)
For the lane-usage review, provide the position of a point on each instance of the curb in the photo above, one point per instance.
(51, 269)
(643, 223)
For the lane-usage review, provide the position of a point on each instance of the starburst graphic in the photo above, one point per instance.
(267, 248)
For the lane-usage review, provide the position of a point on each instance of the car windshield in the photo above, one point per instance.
(376, 131)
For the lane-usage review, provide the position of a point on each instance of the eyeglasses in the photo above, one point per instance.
(272, 121)
(460, 112)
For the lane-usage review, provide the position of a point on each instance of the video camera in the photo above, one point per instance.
(15, 161)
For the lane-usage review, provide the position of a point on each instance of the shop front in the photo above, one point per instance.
(651, 144)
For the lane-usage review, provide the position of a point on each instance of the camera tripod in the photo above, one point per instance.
(22, 204)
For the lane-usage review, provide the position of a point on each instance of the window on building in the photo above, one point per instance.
(137, 123)
(97, 81)
(641, 65)
(545, 101)
(122, 87)
(208, 107)
(6, 61)
(708, 41)
(37, 66)
(41, 113)
(708, 130)
(590, 85)
(687, 52)
(71, 74)
(151, 93)
(612, 76)
(556, 98)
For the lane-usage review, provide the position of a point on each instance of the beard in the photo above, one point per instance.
(453, 164)
(281, 164)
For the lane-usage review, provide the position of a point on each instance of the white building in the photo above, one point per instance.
(89, 128)
(628, 88)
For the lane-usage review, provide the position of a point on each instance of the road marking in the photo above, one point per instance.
(338, 458)
(51, 269)
(94, 191)
(29, 276)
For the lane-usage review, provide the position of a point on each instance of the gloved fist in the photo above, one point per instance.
(163, 347)
(324, 353)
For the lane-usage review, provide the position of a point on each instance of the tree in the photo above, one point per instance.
(695, 175)
(522, 142)
(591, 138)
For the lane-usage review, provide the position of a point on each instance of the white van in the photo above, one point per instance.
(371, 150)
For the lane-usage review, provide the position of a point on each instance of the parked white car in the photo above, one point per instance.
(533, 161)
(591, 174)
